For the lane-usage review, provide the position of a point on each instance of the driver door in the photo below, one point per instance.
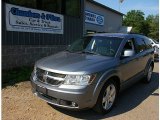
(130, 66)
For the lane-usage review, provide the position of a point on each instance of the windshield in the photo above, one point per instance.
(100, 45)
(155, 41)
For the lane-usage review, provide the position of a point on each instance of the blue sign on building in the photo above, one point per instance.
(94, 18)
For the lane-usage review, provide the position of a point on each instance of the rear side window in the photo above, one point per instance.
(140, 45)
(148, 43)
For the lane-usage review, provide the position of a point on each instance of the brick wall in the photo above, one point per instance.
(26, 55)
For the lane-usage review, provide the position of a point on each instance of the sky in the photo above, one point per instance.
(146, 6)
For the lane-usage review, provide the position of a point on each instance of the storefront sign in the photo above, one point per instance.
(94, 18)
(31, 20)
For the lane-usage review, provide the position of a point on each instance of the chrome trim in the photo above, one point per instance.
(56, 78)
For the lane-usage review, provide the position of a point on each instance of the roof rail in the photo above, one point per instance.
(136, 33)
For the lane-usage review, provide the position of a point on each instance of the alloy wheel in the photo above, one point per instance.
(109, 97)
(149, 75)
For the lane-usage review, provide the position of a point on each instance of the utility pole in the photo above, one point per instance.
(119, 2)
(119, 6)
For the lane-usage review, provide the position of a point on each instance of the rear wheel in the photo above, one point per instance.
(148, 77)
(107, 97)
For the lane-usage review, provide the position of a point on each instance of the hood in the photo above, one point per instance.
(69, 63)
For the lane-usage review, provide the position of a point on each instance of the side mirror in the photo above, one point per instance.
(128, 53)
(68, 46)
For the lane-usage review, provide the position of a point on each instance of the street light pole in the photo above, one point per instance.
(119, 5)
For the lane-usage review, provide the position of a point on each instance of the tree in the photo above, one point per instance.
(135, 18)
(148, 26)
(153, 22)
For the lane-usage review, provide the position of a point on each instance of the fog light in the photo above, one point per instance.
(73, 104)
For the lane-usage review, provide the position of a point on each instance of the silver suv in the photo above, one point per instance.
(93, 70)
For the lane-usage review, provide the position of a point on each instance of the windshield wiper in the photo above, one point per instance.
(73, 51)
(88, 52)
(68, 50)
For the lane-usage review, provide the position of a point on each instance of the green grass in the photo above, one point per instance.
(11, 77)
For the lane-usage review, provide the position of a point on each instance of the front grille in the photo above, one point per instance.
(53, 81)
(40, 73)
(49, 77)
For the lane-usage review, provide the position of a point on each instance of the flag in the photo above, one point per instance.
(121, 1)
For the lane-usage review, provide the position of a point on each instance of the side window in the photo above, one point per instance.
(140, 45)
(148, 43)
(129, 48)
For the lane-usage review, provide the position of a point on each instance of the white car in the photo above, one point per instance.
(155, 45)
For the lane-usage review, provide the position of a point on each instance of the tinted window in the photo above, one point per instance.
(155, 41)
(72, 7)
(51, 5)
(67, 7)
(140, 45)
(26, 3)
(46, 5)
(148, 43)
(129, 44)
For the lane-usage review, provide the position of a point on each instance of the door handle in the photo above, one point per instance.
(125, 62)
(145, 55)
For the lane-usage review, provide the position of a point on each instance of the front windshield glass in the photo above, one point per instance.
(155, 41)
(100, 45)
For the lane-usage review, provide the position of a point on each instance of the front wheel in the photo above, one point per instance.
(107, 97)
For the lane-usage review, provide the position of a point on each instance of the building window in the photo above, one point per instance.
(51, 5)
(25, 3)
(66, 7)
(72, 7)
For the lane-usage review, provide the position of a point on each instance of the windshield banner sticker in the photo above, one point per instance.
(31, 20)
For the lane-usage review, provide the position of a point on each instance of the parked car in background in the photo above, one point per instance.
(93, 70)
(155, 45)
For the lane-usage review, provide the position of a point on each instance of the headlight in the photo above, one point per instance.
(79, 79)
(35, 70)
(156, 49)
(34, 77)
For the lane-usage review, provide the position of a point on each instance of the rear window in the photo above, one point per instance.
(140, 45)
(148, 43)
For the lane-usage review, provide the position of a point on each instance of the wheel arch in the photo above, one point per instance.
(114, 75)
(149, 63)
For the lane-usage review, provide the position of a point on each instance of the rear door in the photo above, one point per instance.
(142, 51)
(149, 52)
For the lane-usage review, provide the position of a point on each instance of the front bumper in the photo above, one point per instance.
(66, 96)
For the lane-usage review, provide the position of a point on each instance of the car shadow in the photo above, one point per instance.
(128, 100)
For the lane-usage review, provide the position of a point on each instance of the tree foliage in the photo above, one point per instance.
(148, 26)
(153, 22)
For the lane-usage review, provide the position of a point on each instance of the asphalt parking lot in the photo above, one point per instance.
(139, 102)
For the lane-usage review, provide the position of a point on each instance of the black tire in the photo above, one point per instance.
(99, 105)
(147, 78)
